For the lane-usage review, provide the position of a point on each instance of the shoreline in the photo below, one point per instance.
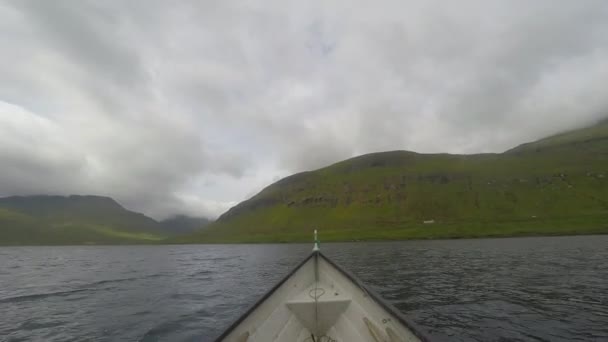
(489, 237)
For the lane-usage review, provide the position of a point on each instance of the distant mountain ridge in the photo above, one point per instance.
(80, 208)
(180, 224)
(75, 219)
(556, 185)
(588, 137)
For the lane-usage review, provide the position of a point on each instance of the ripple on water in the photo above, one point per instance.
(542, 289)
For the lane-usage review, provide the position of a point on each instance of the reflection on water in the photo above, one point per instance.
(464, 290)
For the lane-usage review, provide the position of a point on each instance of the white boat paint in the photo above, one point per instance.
(319, 301)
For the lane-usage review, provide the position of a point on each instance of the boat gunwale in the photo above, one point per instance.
(413, 327)
(262, 300)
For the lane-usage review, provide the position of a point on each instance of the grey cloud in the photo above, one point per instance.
(191, 106)
(35, 158)
(87, 33)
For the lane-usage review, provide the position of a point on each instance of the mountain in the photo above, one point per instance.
(73, 220)
(181, 224)
(557, 185)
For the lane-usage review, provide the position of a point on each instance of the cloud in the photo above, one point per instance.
(190, 107)
(34, 155)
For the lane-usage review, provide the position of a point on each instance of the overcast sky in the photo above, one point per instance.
(192, 106)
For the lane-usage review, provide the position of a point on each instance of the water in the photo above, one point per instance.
(528, 289)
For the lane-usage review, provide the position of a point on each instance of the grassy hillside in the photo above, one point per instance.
(557, 185)
(34, 220)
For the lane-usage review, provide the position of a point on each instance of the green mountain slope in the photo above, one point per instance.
(557, 185)
(73, 220)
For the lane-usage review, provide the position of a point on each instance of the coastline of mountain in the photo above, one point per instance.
(67, 220)
(554, 186)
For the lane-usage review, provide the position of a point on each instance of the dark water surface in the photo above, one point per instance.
(532, 289)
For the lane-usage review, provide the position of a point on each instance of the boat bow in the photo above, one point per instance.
(319, 301)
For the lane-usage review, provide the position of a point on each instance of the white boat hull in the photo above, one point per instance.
(320, 302)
